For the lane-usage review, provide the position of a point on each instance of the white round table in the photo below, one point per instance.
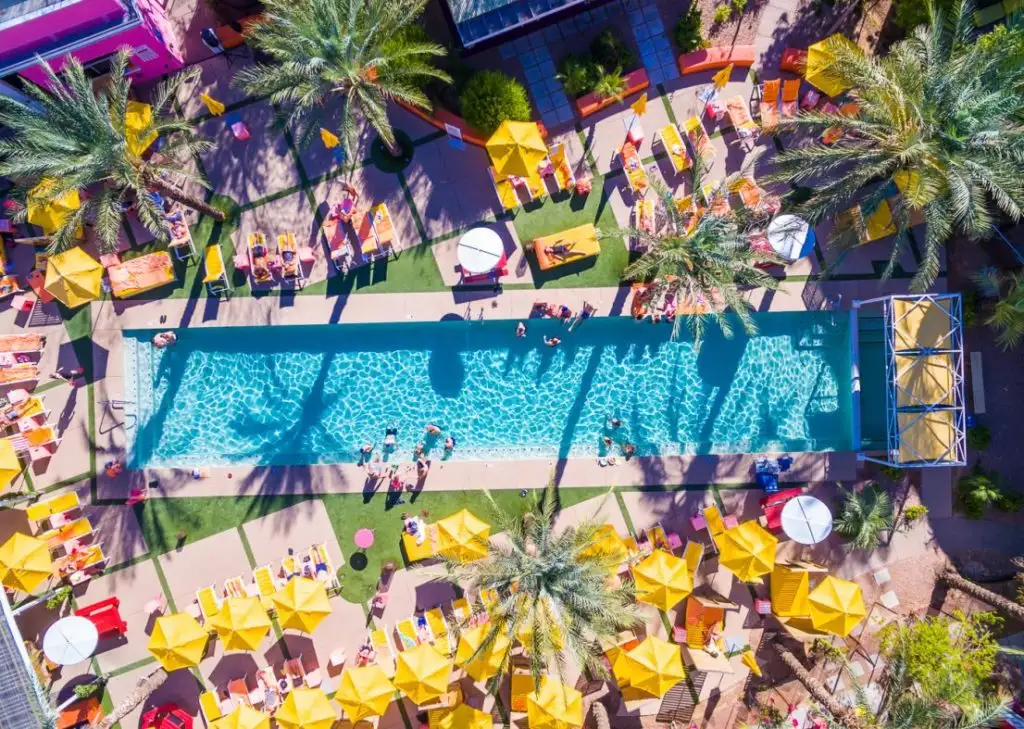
(70, 640)
(480, 250)
(806, 520)
(791, 237)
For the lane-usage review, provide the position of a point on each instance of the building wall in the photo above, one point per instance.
(55, 24)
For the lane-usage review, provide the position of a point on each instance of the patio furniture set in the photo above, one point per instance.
(69, 536)
(373, 230)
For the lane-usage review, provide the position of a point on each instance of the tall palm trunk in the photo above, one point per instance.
(143, 690)
(954, 579)
(176, 193)
(600, 715)
(842, 713)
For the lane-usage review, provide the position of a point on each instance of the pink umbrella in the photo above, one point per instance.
(364, 538)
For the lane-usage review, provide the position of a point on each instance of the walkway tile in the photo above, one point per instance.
(134, 586)
(117, 530)
(297, 528)
(210, 561)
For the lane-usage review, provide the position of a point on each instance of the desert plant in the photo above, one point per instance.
(577, 75)
(739, 6)
(144, 688)
(610, 84)
(864, 515)
(58, 597)
(491, 97)
(914, 513)
(979, 436)
(85, 690)
(1007, 317)
(610, 51)
(722, 14)
(981, 489)
(687, 31)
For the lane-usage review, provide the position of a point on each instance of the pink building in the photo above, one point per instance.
(90, 30)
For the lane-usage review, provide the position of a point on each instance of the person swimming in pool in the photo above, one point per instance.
(552, 341)
(449, 444)
(521, 330)
(390, 437)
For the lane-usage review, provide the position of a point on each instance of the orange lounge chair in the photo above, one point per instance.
(566, 247)
(716, 200)
(634, 168)
(21, 343)
(34, 438)
(291, 263)
(770, 104)
(790, 97)
(19, 373)
(700, 141)
(739, 117)
(141, 274)
(672, 141)
(383, 228)
(260, 259)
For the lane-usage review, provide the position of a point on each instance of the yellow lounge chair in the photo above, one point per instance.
(209, 602)
(266, 584)
(211, 706)
(656, 536)
(713, 518)
(700, 141)
(407, 635)
(520, 686)
(439, 627)
(692, 555)
(385, 652)
(672, 141)
(52, 507)
(290, 566)
(216, 278)
(564, 175)
(319, 554)
(415, 552)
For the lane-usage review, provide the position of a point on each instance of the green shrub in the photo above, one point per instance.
(912, 13)
(981, 489)
(610, 84)
(578, 75)
(979, 437)
(915, 512)
(722, 14)
(739, 6)
(491, 97)
(687, 31)
(610, 51)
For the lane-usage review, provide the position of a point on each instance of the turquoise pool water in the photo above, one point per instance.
(304, 395)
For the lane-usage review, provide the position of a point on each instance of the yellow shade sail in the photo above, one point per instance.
(73, 277)
(463, 537)
(24, 562)
(639, 106)
(243, 717)
(721, 78)
(329, 139)
(306, 708)
(138, 119)
(653, 667)
(462, 716)
(662, 579)
(212, 105)
(747, 550)
(422, 673)
(606, 547)
(836, 606)
(241, 624)
(50, 214)
(10, 466)
(554, 706)
(490, 660)
(364, 692)
(302, 604)
(820, 62)
(177, 641)
(516, 149)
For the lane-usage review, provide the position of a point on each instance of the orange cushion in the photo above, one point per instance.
(709, 59)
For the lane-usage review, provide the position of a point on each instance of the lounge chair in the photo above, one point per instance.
(489, 598)
(209, 602)
(362, 224)
(210, 706)
(266, 584)
(439, 627)
(344, 208)
(687, 207)
(216, 278)
(834, 134)
(658, 539)
(60, 504)
(57, 538)
(505, 190)
(700, 141)
(22, 343)
(716, 200)
(19, 373)
(290, 567)
(769, 108)
(643, 215)
(260, 259)
(693, 554)
(43, 437)
(294, 671)
(180, 235)
(461, 609)
(563, 173)
(739, 117)
(790, 97)
(235, 587)
(141, 274)
(385, 651)
(520, 686)
(291, 264)
(672, 141)
(408, 635)
(634, 168)
(383, 228)
(320, 556)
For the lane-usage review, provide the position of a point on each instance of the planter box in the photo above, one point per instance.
(711, 59)
(592, 103)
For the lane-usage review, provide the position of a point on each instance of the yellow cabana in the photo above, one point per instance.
(516, 149)
(177, 641)
(50, 215)
(653, 667)
(241, 624)
(747, 550)
(242, 717)
(820, 60)
(137, 119)
(554, 706)
(662, 579)
(463, 537)
(606, 547)
(462, 716)
(836, 606)
(488, 662)
(302, 604)
(24, 562)
(422, 673)
(306, 708)
(364, 692)
(73, 277)
(10, 466)
(790, 585)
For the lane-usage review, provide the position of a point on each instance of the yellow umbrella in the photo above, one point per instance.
(516, 149)
(554, 706)
(463, 537)
(462, 716)
(50, 214)
(489, 661)
(302, 604)
(820, 60)
(364, 692)
(306, 708)
(10, 466)
(24, 562)
(747, 550)
(721, 78)
(653, 667)
(138, 118)
(422, 673)
(606, 547)
(662, 579)
(836, 606)
(243, 717)
(177, 641)
(73, 277)
(241, 624)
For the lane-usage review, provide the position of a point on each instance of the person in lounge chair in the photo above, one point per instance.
(559, 249)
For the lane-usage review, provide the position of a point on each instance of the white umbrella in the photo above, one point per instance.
(480, 250)
(806, 520)
(70, 640)
(791, 237)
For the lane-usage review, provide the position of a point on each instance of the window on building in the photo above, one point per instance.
(145, 54)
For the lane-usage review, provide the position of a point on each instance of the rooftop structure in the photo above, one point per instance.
(477, 22)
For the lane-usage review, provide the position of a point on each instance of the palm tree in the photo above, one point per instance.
(142, 691)
(552, 592)
(864, 516)
(368, 52)
(701, 265)
(938, 118)
(1007, 317)
(826, 698)
(954, 579)
(76, 139)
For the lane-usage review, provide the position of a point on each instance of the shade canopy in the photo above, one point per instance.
(365, 691)
(836, 606)
(302, 604)
(70, 640)
(662, 579)
(50, 214)
(306, 708)
(243, 717)
(606, 547)
(554, 706)
(462, 716)
(10, 466)
(516, 149)
(463, 537)
(653, 667)
(491, 658)
(820, 62)
(177, 641)
(747, 550)
(806, 520)
(73, 277)
(24, 562)
(422, 673)
(138, 120)
(480, 250)
(241, 624)
(790, 237)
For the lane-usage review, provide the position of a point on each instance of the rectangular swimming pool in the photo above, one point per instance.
(315, 394)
